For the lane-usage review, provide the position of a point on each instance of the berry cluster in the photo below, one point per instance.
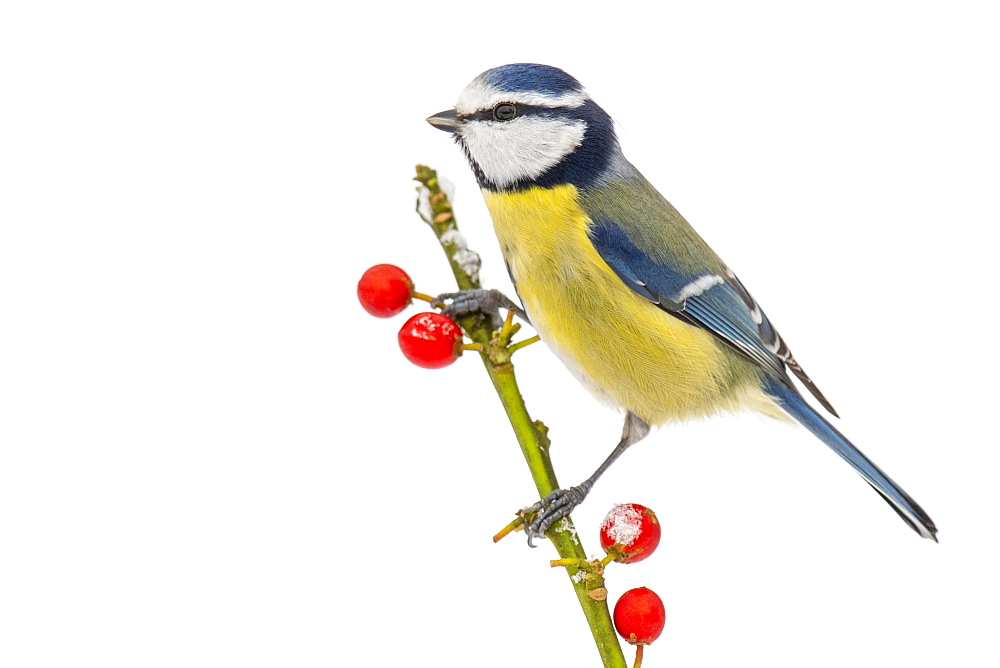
(630, 533)
(429, 340)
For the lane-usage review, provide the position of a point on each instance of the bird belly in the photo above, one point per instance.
(624, 349)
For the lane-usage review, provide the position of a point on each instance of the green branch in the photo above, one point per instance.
(434, 207)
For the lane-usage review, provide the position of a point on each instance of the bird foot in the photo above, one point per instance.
(542, 514)
(487, 302)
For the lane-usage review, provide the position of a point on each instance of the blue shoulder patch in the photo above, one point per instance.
(656, 282)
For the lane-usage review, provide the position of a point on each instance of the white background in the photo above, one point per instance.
(211, 456)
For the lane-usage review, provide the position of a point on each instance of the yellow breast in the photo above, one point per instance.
(627, 351)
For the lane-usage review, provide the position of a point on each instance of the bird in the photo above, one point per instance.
(618, 284)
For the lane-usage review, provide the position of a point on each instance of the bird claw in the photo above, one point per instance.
(545, 512)
(487, 302)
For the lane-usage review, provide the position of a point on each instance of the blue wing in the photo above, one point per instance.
(714, 301)
(682, 276)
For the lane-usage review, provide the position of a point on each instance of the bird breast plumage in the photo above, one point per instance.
(628, 352)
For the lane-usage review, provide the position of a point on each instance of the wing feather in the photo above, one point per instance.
(714, 301)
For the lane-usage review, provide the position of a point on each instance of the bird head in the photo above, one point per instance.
(525, 125)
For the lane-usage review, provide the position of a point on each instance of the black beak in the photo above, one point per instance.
(446, 120)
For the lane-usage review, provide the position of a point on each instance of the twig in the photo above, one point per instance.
(434, 207)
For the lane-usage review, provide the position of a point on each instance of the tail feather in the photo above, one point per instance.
(793, 404)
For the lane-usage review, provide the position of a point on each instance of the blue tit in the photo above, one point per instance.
(618, 284)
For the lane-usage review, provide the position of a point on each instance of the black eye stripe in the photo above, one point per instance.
(522, 110)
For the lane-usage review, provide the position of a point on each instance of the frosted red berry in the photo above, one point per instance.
(630, 532)
(639, 616)
(431, 340)
(384, 290)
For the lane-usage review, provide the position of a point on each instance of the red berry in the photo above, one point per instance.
(630, 532)
(431, 340)
(639, 616)
(384, 290)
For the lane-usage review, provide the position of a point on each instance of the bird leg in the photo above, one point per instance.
(487, 302)
(561, 502)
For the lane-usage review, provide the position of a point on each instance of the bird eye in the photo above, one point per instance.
(504, 111)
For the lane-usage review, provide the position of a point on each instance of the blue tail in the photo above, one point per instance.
(795, 405)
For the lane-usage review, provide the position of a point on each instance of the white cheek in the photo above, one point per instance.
(523, 148)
